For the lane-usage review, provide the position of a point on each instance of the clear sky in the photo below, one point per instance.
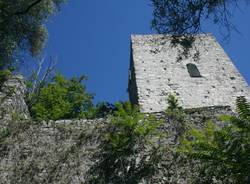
(92, 37)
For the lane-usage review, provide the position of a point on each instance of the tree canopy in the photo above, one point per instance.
(62, 99)
(186, 16)
(22, 27)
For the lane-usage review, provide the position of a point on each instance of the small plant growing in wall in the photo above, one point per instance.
(174, 110)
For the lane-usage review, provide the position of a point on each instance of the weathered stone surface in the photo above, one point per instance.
(50, 152)
(158, 69)
(12, 101)
(65, 151)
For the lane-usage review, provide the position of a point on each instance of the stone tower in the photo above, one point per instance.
(196, 69)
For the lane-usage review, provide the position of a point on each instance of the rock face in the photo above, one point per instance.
(12, 94)
(66, 151)
(196, 70)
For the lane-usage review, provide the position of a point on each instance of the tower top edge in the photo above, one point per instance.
(168, 36)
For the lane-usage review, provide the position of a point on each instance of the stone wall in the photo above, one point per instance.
(132, 86)
(160, 69)
(49, 152)
(12, 94)
(66, 151)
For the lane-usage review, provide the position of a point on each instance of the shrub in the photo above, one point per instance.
(224, 152)
(62, 99)
(100, 110)
(174, 110)
(4, 74)
(131, 148)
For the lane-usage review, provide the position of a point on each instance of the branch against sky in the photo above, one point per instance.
(28, 8)
(22, 27)
(187, 16)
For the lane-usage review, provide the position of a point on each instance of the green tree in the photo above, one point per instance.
(186, 16)
(61, 99)
(22, 27)
(100, 110)
(224, 152)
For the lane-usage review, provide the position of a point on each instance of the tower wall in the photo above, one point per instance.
(132, 87)
(160, 69)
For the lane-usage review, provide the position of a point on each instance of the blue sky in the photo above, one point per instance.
(92, 37)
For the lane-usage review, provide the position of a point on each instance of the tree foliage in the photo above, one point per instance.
(186, 16)
(4, 75)
(174, 110)
(131, 149)
(62, 99)
(22, 27)
(101, 110)
(224, 152)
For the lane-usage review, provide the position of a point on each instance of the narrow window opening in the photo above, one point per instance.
(193, 70)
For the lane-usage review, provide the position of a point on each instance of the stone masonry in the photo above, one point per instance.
(159, 68)
(66, 151)
(12, 95)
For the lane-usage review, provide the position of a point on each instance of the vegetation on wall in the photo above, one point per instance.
(4, 75)
(174, 110)
(101, 110)
(55, 97)
(131, 147)
(224, 152)
(61, 99)
(133, 144)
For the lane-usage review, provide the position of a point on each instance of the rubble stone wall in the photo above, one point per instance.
(65, 151)
(160, 69)
(12, 95)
